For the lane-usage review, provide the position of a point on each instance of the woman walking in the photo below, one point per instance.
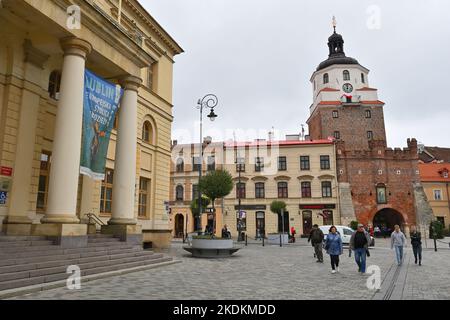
(416, 242)
(333, 246)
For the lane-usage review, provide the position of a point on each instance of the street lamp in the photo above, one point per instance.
(208, 101)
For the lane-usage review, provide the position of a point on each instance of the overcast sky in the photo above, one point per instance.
(257, 56)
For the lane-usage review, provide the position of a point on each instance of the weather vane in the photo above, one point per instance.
(334, 23)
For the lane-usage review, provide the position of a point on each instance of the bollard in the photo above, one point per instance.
(263, 241)
(435, 247)
(281, 242)
(246, 240)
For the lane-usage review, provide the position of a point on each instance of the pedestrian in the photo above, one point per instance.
(333, 245)
(225, 233)
(293, 232)
(316, 238)
(416, 243)
(376, 231)
(385, 231)
(398, 240)
(359, 243)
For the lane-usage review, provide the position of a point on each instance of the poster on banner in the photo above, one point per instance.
(100, 105)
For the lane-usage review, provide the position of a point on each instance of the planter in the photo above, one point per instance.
(212, 243)
(274, 238)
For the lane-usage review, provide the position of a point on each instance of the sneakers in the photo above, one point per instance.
(415, 261)
(333, 271)
(337, 269)
(420, 262)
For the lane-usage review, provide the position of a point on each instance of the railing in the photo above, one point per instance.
(94, 219)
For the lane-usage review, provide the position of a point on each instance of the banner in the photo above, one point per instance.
(101, 102)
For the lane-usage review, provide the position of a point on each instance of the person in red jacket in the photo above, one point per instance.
(293, 234)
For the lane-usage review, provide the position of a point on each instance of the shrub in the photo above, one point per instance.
(353, 224)
(436, 230)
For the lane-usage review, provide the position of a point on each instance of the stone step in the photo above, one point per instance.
(64, 255)
(65, 259)
(24, 243)
(103, 240)
(28, 249)
(99, 244)
(4, 238)
(17, 283)
(100, 235)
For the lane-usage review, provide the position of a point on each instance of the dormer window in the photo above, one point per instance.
(346, 75)
(444, 173)
(325, 78)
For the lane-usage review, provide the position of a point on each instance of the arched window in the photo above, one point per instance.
(325, 78)
(180, 165)
(179, 193)
(54, 82)
(346, 75)
(147, 132)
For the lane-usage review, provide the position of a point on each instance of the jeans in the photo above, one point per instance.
(318, 251)
(399, 254)
(334, 261)
(360, 258)
(417, 250)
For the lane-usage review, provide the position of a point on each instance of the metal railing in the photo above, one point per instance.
(94, 219)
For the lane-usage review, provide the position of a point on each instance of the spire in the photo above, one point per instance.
(334, 23)
(335, 42)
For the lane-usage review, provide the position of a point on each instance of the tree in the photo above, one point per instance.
(194, 205)
(354, 224)
(216, 184)
(276, 206)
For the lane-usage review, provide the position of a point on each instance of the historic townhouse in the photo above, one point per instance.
(45, 48)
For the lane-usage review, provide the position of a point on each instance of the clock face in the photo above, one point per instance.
(347, 87)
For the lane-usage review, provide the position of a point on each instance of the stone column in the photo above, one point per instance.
(18, 221)
(123, 221)
(63, 183)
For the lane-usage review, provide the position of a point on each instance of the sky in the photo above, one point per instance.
(257, 57)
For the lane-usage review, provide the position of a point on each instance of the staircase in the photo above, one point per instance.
(35, 261)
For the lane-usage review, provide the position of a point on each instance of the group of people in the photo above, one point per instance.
(359, 244)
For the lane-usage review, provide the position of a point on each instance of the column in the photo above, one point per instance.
(64, 173)
(124, 184)
(18, 221)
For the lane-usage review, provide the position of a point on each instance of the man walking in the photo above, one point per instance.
(316, 238)
(416, 243)
(359, 243)
(398, 240)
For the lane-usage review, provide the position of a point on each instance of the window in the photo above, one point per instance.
(325, 78)
(282, 165)
(326, 189)
(195, 163)
(179, 193)
(194, 191)
(445, 174)
(211, 163)
(348, 232)
(437, 194)
(362, 78)
(369, 135)
(346, 75)
(328, 218)
(54, 83)
(304, 162)
(240, 165)
(152, 73)
(337, 135)
(324, 162)
(147, 132)
(282, 190)
(106, 192)
(259, 190)
(306, 189)
(259, 164)
(143, 196)
(381, 194)
(240, 190)
(368, 114)
(335, 114)
(44, 174)
(180, 165)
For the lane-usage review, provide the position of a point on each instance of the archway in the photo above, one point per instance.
(179, 225)
(386, 219)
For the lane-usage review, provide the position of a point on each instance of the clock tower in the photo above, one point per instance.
(378, 186)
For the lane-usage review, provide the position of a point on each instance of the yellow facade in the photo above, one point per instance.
(30, 51)
(440, 205)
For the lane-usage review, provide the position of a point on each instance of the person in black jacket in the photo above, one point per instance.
(416, 243)
(316, 238)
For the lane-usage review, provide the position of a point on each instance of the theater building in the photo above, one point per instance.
(44, 51)
(378, 185)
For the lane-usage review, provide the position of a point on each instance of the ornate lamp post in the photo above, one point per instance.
(209, 101)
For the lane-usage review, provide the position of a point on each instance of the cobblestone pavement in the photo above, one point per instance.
(271, 272)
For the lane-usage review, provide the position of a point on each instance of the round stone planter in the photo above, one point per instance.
(211, 248)
(212, 243)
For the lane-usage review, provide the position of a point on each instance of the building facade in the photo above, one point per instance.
(378, 185)
(435, 178)
(45, 48)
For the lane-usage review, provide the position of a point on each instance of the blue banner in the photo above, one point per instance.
(101, 102)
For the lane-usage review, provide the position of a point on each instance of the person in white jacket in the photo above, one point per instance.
(398, 240)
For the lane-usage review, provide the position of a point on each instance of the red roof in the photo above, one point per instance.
(433, 172)
(372, 102)
(277, 143)
(329, 102)
(367, 89)
(327, 89)
(339, 102)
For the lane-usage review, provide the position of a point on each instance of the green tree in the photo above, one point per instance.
(194, 205)
(277, 205)
(436, 230)
(354, 224)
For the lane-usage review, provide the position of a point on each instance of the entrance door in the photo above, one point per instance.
(286, 222)
(307, 222)
(179, 225)
(260, 224)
